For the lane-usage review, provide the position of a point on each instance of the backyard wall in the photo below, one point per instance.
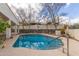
(74, 33)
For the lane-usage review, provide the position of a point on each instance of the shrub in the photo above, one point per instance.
(3, 25)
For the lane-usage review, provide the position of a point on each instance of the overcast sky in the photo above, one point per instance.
(72, 9)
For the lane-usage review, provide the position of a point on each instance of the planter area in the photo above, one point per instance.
(2, 39)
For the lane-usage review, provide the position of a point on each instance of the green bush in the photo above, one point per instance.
(3, 25)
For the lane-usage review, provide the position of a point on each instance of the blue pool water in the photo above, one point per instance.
(38, 41)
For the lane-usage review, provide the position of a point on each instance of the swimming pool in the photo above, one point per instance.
(37, 41)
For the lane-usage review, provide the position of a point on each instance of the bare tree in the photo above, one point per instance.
(22, 15)
(30, 15)
(53, 10)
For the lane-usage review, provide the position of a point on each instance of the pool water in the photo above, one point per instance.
(37, 41)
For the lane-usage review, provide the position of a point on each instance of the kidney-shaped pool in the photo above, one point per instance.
(37, 41)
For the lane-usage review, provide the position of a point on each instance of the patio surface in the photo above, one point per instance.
(10, 51)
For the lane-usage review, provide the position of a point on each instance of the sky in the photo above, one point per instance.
(72, 10)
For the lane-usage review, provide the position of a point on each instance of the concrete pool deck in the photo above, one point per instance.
(10, 51)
